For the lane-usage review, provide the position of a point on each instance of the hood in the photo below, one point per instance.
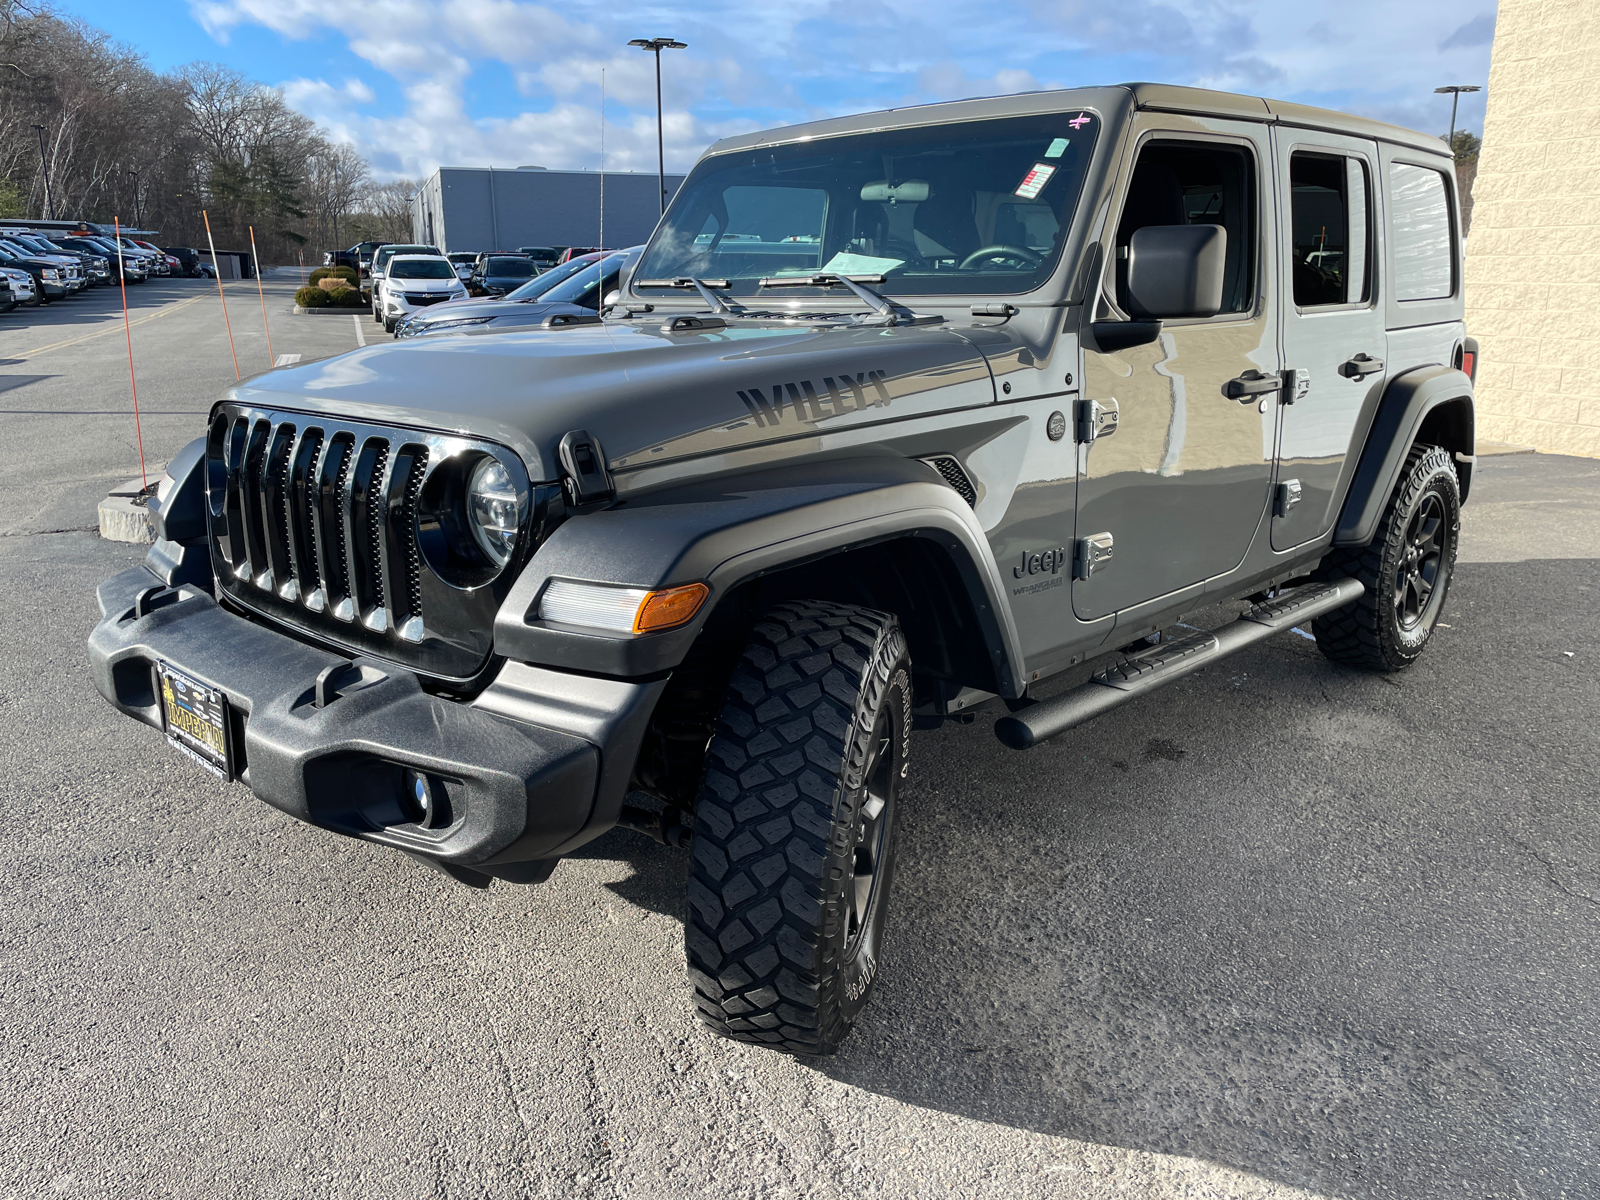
(649, 395)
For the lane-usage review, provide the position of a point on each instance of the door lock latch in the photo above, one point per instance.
(1091, 554)
(1096, 419)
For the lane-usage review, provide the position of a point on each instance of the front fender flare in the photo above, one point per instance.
(1406, 403)
(734, 528)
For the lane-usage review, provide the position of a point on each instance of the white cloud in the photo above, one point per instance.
(752, 65)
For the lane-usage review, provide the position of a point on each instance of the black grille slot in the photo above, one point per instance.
(956, 476)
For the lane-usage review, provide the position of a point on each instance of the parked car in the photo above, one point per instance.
(188, 259)
(571, 252)
(542, 257)
(1004, 393)
(155, 262)
(8, 299)
(415, 281)
(358, 257)
(496, 274)
(133, 268)
(577, 293)
(70, 277)
(49, 274)
(463, 261)
(380, 258)
(22, 285)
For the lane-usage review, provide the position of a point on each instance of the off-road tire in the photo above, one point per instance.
(1370, 632)
(783, 951)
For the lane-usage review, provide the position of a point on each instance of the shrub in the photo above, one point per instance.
(344, 273)
(312, 297)
(346, 297)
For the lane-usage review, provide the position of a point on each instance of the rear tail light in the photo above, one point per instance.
(1469, 364)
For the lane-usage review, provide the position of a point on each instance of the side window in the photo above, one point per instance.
(1424, 236)
(1328, 202)
(1196, 183)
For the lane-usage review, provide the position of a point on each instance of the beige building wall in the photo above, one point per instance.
(1533, 256)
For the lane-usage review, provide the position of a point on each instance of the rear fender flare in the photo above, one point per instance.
(1405, 406)
(727, 531)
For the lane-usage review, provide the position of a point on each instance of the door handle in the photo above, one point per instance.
(1251, 383)
(1359, 367)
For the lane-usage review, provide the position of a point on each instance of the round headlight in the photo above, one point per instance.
(494, 510)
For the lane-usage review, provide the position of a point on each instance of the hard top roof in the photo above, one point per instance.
(1154, 97)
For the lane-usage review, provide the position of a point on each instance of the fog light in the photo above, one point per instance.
(417, 800)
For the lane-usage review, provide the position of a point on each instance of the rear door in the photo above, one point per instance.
(1334, 340)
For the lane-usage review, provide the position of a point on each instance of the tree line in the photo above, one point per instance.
(88, 131)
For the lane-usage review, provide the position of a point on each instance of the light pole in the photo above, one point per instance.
(1455, 91)
(44, 165)
(656, 46)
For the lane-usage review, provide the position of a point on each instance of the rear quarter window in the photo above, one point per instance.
(1424, 233)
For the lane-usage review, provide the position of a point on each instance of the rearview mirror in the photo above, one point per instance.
(1176, 270)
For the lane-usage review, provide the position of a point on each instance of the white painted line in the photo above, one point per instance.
(361, 334)
(286, 360)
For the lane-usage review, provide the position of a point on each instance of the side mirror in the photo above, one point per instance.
(1176, 270)
(611, 299)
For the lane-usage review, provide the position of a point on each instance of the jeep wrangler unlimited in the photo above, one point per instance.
(898, 413)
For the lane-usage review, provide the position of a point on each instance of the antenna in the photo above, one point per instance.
(602, 241)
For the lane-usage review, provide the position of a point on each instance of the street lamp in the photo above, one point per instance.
(44, 165)
(1455, 91)
(656, 46)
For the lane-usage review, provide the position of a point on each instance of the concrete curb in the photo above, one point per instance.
(123, 516)
(330, 311)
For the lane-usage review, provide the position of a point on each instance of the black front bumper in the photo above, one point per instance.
(513, 794)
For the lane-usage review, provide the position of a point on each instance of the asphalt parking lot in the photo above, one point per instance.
(1282, 930)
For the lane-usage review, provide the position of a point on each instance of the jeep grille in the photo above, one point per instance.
(314, 524)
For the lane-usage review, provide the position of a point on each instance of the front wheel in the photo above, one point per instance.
(794, 837)
(1406, 570)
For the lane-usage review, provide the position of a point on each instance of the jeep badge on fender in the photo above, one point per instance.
(696, 566)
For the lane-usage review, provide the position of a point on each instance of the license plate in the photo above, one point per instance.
(195, 718)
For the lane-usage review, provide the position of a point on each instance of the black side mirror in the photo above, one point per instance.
(1176, 270)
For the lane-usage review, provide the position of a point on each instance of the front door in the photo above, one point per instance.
(1180, 489)
(1333, 331)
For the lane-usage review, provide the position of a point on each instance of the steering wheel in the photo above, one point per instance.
(1001, 250)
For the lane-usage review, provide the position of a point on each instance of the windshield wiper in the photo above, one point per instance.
(703, 286)
(892, 313)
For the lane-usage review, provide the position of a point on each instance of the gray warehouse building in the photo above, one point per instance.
(484, 208)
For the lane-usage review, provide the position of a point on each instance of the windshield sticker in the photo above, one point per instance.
(1057, 148)
(1079, 121)
(807, 405)
(1033, 183)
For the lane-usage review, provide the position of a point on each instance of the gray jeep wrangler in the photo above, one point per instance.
(898, 414)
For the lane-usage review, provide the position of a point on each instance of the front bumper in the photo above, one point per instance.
(511, 795)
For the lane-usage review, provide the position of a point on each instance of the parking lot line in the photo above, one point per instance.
(110, 328)
(361, 334)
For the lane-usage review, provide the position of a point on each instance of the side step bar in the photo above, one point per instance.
(1145, 672)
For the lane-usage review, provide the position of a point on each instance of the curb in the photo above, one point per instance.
(123, 516)
(330, 311)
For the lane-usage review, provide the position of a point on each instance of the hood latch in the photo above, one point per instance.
(588, 477)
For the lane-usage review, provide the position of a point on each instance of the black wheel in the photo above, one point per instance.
(794, 837)
(388, 325)
(1406, 570)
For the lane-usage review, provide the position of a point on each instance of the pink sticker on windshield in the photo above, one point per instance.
(1033, 182)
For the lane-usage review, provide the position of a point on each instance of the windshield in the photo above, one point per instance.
(514, 268)
(588, 286)
(978, 207)
(422, 268)
(538, 286)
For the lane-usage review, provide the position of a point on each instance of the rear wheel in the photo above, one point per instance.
(794, 838)
(1406, 570)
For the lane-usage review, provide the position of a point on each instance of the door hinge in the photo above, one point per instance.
(1096, 419)
(1296, 385)
(1288, 496)
(1091, 554)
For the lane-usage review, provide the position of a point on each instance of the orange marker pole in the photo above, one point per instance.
(127, 329)
(271, 358)
(217, 267)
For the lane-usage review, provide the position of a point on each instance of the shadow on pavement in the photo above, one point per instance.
(1328, 927)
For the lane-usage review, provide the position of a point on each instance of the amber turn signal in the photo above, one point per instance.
(671, 607)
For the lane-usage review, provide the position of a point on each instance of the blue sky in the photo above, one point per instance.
(419, 83)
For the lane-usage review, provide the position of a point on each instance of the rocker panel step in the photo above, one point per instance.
(1160, 665)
